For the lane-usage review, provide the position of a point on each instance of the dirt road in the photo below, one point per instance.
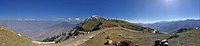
(79, 40)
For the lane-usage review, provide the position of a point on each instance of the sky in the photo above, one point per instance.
(144, 11)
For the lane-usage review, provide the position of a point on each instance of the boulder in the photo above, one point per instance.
(107, 37)
(125, 43)
(108, 42)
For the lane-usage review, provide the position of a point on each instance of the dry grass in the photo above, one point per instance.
(9, 38)
(119, 34)
(188, 38)
(88, 24)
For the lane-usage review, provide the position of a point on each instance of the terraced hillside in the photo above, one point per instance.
(9, 38)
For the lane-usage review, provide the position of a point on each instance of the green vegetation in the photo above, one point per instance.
(9, 38)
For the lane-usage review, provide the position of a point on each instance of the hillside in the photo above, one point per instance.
(10, 38)
(172, 26)
(97, 23)
(100, 31)
(135, 36)
(187, 38)
(117, 35)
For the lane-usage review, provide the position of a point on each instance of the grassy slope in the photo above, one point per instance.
(188, 38)
(114, 23)
(8, 38)
(88, 24)
(120, 23)
(143, 39)
(127, 35)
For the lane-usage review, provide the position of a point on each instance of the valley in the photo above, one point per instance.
(108, 32)
(99, 22)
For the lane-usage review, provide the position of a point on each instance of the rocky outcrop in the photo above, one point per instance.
(108, 42)
(125, 43)
(63, 36)
(5, 28)
(182, 37)
(94, 23)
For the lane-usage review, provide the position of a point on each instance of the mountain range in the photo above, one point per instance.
(98, 31)
(173, 26)
(35, 30)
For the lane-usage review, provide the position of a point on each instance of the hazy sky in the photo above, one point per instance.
(132, 10)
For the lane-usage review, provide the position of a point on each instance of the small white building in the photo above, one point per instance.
(155, 31)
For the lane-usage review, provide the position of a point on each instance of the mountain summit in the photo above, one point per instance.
(92, 22)
(97, 24)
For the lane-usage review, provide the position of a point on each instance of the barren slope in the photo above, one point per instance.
(9, 38)
(188, 38)
(121, 34)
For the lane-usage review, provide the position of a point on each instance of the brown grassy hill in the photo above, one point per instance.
(89, 23)
(188, 38)
(121, 34)
(98, 22)
(9, 38)
(124, 24)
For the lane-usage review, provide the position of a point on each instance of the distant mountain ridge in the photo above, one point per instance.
(172, 26)
(32, 28)
(54, 30)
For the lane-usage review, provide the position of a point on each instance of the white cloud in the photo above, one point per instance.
(144, 22)
(69, 18)
(25, 19)
(77, 19)
(31, 19)
(148, 22)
